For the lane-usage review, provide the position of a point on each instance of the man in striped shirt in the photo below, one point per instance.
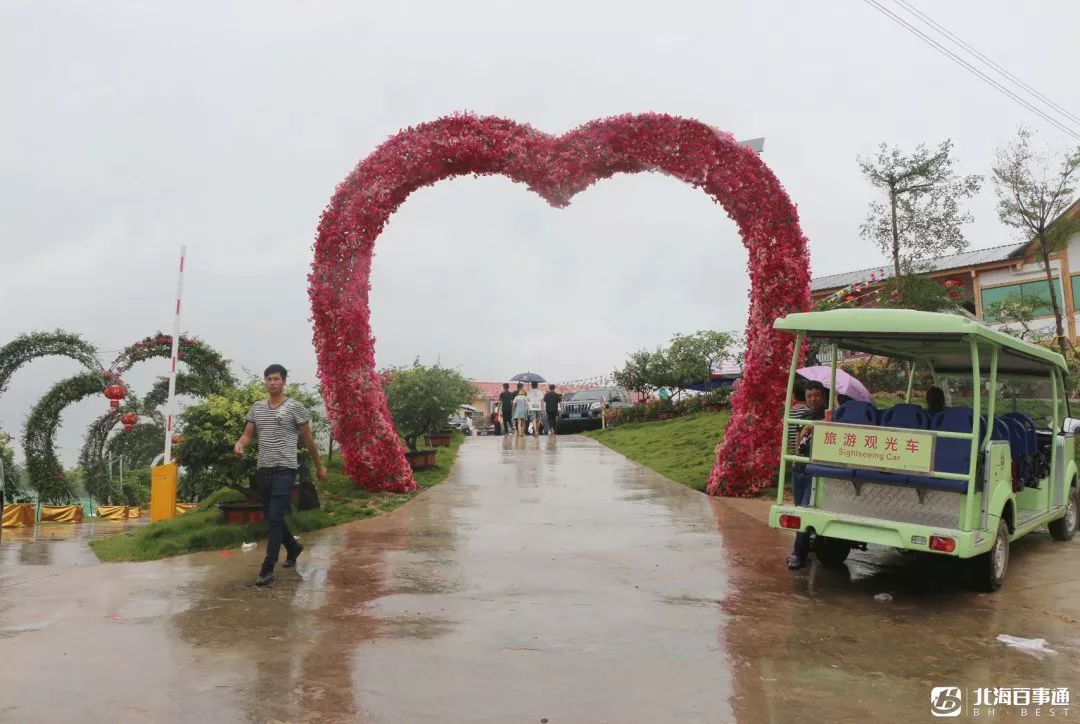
(279, 422)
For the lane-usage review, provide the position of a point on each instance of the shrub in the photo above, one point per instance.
(421, 399)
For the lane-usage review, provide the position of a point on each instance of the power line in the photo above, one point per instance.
(981, 56)
(987, 79)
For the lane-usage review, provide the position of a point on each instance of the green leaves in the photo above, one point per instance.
(421, 399)
(919, 214)
(687, 360)
(212, 427)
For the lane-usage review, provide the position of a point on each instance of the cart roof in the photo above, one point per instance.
(940, 339)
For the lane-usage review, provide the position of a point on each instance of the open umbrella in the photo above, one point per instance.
(845, 384)
(527, 377)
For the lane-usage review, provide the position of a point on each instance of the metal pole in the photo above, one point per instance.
(121, 478)
(976, 405)
(832, 377)
(175, 351)
(787, 412)
(910, 380)
(1055, 484)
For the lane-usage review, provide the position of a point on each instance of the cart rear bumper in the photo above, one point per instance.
(905, 536)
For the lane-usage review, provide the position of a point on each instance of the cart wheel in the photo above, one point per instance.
(988, 570)
(1064, 528)
(832, 552)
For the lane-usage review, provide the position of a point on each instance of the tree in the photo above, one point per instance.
(690, 359)
(913, 291)
(1034, 193)
(9, 474)
(1021, 311)
(135, 487)
(921, 216)
(211, 428)
(421, 399)
(639, 374)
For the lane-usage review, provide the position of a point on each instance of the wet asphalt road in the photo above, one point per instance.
(545, 579)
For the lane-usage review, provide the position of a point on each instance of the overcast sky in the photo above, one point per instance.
(132, 128)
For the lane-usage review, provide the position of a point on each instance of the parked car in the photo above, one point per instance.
(581, 410)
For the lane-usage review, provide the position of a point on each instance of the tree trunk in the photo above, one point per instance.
(895, 238)
(330, 451)
(1059, 328)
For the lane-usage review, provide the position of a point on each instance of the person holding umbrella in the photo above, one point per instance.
(847, 387)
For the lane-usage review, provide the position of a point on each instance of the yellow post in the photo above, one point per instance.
(603, 413)
(162, 492)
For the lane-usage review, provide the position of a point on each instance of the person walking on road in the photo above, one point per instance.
(521, 411)
(279, 423)
(506, 399)
(536, 406)
(551, 405)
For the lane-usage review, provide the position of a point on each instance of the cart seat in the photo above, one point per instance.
(907, 416)
(952, 455)
(855, 412)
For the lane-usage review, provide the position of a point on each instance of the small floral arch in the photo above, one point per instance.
(556, 168)
(209, 373)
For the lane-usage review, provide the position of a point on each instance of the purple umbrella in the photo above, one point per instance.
(845, 384)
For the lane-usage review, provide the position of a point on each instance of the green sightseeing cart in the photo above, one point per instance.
(995, 464)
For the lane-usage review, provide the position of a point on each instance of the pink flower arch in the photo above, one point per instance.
(556, 168)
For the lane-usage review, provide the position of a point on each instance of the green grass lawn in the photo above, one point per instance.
(682, 449)
(202, 529)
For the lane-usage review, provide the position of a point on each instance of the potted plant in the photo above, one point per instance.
(421, 400)
(440, 437)
(210, 430)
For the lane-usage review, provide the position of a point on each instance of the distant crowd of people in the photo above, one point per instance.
(527, 411)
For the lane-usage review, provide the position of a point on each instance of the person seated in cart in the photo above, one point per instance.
(814, 395)
(935, 400)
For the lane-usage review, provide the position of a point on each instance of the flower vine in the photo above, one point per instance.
(556, 168)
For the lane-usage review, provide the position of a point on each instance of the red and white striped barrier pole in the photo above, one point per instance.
(175, 351)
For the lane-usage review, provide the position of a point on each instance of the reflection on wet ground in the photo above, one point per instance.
(816, 646)
(60, 544)
(545, 579)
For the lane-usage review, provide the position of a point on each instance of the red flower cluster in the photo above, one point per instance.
(556, 168)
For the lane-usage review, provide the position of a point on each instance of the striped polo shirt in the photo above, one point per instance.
(278, 429)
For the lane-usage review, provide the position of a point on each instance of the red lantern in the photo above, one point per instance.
(953, 294)
(953, 283)
(127, 428)
(115, 393)
(129, 419)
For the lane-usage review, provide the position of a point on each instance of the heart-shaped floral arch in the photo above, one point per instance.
(556, 168)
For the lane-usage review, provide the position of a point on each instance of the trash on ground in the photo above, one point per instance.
(247, 547)
(1030, 646)
(883, 597)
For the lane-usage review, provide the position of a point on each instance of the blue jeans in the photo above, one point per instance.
(801, 487)
(275, 489)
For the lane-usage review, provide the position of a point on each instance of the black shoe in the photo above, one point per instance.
(265, 579)
(290, 562)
